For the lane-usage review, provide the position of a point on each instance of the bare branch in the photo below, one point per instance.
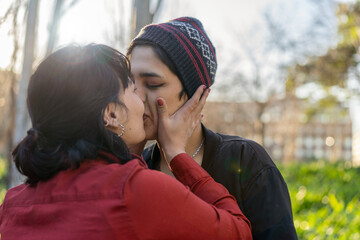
(13, 9)
(16, 9)
(156, 10)
(117, 35)
(7, 14)
(70, 5)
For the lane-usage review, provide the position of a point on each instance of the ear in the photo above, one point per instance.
(110, 115)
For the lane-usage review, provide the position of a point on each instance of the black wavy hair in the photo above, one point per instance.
(67, 96)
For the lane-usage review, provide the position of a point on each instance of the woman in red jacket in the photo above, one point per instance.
(83, 183)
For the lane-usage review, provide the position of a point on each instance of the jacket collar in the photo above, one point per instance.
(107, 155)
(211, 146)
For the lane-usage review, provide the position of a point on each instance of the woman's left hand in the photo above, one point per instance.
(175, 130)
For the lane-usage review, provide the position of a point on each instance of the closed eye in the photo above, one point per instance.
(154, 86)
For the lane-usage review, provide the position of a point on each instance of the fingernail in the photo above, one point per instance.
(202, 115)
(204, 87)
(160, 102)
(209, 89)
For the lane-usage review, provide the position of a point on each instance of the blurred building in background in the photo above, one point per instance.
(289, 134)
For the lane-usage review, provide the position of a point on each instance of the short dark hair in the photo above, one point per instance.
(67, 97)
(161, 54)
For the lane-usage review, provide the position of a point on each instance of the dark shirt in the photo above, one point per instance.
(247, 171)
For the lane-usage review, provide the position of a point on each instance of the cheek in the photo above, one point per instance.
(151, 104)
(174, 103)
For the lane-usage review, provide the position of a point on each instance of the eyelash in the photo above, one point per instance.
(154, 86)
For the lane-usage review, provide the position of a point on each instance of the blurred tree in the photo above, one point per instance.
(58, 11)
(118, 35)
(12, 14)
(258, 70)
(142, 15)
(126, 26)
(335, 67)
(22, 117)
(19, 119)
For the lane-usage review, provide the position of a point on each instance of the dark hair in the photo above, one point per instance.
(161, 54)
(67, 96)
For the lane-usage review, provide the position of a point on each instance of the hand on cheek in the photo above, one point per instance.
(175, 130)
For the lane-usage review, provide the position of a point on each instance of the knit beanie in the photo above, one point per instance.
(187, 45)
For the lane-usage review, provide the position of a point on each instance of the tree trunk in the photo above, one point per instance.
(142, 15)
(53, 31)
(13, 84)
(22, 121)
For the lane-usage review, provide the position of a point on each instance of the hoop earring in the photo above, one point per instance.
(107, 124)
(122, 130)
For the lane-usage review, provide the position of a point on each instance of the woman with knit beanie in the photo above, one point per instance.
(171, 60)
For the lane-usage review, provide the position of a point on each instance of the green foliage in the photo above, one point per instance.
(349, 24)
(328, 107)
(325, 199)
(3, 168)
(332, 68)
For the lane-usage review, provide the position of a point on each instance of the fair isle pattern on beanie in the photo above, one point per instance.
(187, 45)
(202, 43)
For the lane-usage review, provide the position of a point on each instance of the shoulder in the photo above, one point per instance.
(237, 155)
(109, 179)
(248, 147)
(92, 180)
(225, 139)
(246, 150)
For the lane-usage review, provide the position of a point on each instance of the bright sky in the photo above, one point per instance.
(90, 21)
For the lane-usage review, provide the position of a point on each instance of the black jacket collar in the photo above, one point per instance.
(211, 147)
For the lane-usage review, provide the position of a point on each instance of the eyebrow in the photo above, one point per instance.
(150, 74)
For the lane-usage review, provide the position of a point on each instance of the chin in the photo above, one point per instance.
(150, 134)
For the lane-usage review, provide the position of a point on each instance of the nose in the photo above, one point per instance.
(140, 91)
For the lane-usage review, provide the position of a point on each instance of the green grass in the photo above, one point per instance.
(325, 199)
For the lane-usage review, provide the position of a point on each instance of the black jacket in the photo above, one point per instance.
(247, 171)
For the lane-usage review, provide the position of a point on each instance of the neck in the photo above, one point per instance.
(193, 143)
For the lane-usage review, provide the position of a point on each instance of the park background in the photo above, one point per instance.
(288, 77)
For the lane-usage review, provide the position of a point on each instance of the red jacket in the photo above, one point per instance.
(129, 201)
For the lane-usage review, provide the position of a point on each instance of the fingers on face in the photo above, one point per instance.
(197, 95)
(161, 107)
(192, 107)
(197, 103)
(202, 101)
(192, 103)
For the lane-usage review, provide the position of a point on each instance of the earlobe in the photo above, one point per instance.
(109, 115)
